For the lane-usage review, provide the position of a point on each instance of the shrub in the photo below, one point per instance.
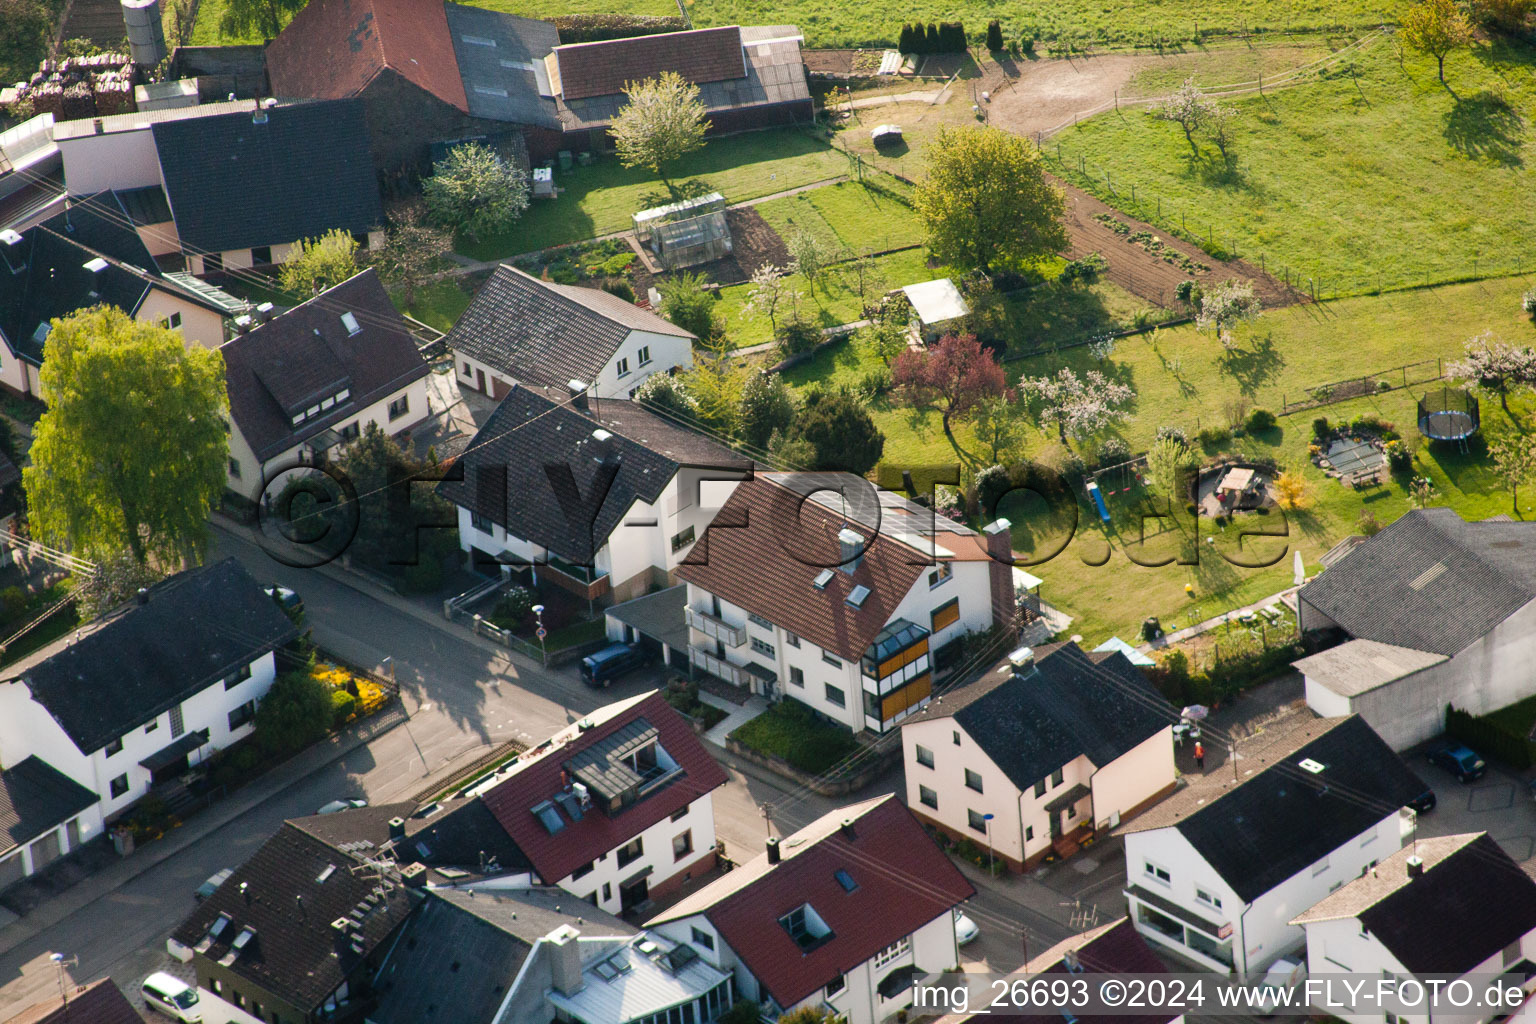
(796, 337)
(875, 383)
(1151, 628)
(744, 1012)
(620, 287)
(1292, 491)
(1368, 523)
(1171, 674)
(1399, 455)
(296, 712)
(1214, 437)
(690, 305)
(991, 484)
(1086, 269)
(343, 708)
(1143, 318)
(841, 432)
(13, 602)
(1187, 292)
(1372, 423)
(767, 407)
(994, 35)
(904, 42)
(1528, 302)
(1489, 738)
(1113, 450)
(668, 395)
(1321, 427)
(1173, 434)
(514, 606)
(1027, 43)
(1260, 420)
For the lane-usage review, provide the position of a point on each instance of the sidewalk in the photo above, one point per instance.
(735, 715)
(103, 883)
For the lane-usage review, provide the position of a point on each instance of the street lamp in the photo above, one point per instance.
(541, 632)
(991, 857)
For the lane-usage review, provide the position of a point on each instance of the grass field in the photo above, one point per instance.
(849, 217)
(602, 198)
(438, 305)
(829, 23)
(1184, 379)
(1382, 179)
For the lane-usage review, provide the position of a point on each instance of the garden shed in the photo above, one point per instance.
(685, 233)
(937, 306)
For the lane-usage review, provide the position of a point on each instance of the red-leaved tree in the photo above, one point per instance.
(955, 373)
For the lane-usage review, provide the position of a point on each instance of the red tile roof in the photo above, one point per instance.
(556, 856)
(767, 546)
(903, 881)
(606, 67)
(334, 48)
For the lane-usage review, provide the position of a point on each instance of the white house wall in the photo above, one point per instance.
(1133, 778)
(667, 351)
(199, 324)
(656, 854)
(18, 375)
(116, 160)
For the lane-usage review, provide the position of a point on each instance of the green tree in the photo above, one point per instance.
(263, 19)
(767, 408)
(1224, 307)
(131, 453)
(995, 36)
(296, 712)
(998, 422)
(413, 253)
(26, 27)
(811, 256)
(890, 322)
(1187, 107)
(1221, 126)
(808, 1015)
(395, 536)
(116, 580)
(475, 192)
(985, 203)
(690, 305)
(1166, 460)
(840, 430)
(1514, 460)
(1436, 27)
(790, 452)
(319, 263)
(662, 120)
(716, 382)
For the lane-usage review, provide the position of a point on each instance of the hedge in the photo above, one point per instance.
(594, 28)
(1489, 738)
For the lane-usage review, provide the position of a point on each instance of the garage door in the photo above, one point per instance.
(11, 870)
(45, 851)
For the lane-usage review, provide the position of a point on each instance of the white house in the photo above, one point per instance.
(314, 378)
(1216, 872)
(1448, 905)
(817, 587)
(131, 700)
(89, 256)
(521, 330)
(848, 914)
(1433, 610)
(601, 498)
(1049, 748)
(44, 814)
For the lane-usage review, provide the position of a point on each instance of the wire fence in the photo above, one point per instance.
(1397, 378)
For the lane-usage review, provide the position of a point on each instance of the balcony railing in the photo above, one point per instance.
(716, 629)
(733, 674)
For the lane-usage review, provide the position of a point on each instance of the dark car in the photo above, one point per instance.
(608, 664)
(1424, 802)
(1460, 761)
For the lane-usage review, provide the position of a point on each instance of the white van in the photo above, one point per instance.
(172, 997)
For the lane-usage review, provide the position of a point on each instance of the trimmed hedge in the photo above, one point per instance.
(1489, 738)
(594, 28)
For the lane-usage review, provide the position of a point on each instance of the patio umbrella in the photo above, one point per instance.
(1298, 571)
(1195, 712)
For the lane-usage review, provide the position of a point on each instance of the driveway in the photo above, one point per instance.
(1499, 803)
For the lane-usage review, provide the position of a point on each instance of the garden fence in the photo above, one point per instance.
(1397, 378)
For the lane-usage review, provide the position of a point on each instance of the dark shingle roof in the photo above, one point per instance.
(100, 1002)
(505, 477)
(197, 627)
(1280, 818)
(461, 952)
(902, 882)
(307, 354)
(1471, 901)
(236, 184)
(35, 798)
(540, 332)
(1070, 705)
(459, 834)
(334, 49)
(601, 68)
(296, 953)
(501, 60)
(1431, 581)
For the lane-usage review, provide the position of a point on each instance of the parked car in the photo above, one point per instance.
(341, 805)
(289, 601)
(1460, 761)
(1283, 975)
(1424, 802)
(211, 886)
(608, 664)
(172, 997)
(965, 928)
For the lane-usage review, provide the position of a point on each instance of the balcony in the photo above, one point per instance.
(714, 628)
(734, 674)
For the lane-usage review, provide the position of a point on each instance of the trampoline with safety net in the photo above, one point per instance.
(1452, 415)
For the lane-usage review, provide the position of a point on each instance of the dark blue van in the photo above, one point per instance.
(610, 663)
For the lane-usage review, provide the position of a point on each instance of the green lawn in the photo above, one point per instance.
(828, 23)
(1381, 180)
(206, 30)
(602, 198)
(789, 730)
(849, 217)
(439, 305)
(836, 298)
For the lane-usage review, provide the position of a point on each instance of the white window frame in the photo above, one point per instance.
(894, 951)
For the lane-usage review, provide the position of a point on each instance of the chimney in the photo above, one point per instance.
(1023, 661)
(414, 876)
(142, 596)
(565, 960)
(265, 311)
(396, 828)
(850, 549)
(1000, 571)
(1415, 866)
(847, 830)
(95, 265)
(578, 390)
(773, 850)
(259, 115)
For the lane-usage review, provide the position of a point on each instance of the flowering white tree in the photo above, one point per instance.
(1079, 406)
(1227, 305)
(1188, 108)
(767, 291)
(1496, 366)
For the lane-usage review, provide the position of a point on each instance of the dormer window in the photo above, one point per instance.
(806, 927)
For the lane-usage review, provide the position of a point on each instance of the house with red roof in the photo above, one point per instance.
(847, 914)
